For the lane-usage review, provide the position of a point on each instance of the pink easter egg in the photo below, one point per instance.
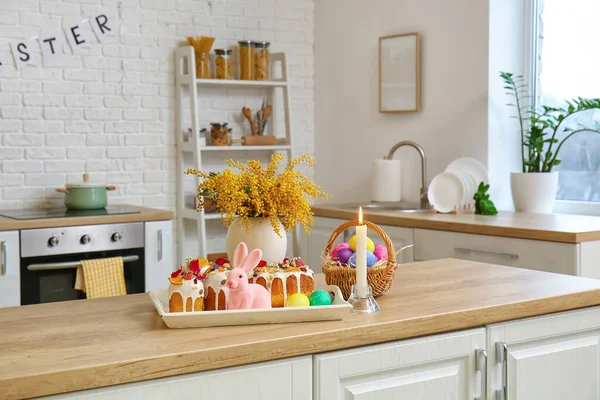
(381, 252)
(344, 254)
(338, 248)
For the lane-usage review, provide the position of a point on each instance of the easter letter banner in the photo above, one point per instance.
(48, 46)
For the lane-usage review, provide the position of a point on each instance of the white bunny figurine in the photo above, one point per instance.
(243, 295)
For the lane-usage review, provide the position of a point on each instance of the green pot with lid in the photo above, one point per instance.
(85, 195)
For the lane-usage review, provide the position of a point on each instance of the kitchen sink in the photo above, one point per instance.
(374, 207)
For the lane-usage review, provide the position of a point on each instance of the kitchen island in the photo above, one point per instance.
(435, 322)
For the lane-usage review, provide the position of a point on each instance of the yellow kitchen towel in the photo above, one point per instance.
(103, 277)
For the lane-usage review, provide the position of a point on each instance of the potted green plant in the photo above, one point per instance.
(543, 133)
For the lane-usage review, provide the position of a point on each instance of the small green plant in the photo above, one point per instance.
(483, 204)
(538, 151)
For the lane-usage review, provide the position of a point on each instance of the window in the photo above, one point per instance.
(567, 65)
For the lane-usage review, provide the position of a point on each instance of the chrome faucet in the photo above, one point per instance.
(424, 202)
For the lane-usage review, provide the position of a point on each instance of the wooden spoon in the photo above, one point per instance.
(267, 112)
(248, 114)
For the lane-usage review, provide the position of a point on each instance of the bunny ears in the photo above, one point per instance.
(245, 261)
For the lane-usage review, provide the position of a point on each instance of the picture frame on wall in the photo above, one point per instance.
(399, 76)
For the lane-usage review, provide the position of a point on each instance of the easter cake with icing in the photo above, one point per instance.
(283, 279)
(215, 283)
(186, 290)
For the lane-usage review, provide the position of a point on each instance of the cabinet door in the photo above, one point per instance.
(288, 379)
(555, 357)
(158, 253)
(319, 235)
(561, 258)
(400, 237)
(440, 367)
(10, 274)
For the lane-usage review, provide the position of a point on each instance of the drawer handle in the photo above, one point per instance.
(3, 261)
(65, 265)
(465, 250)
(159, 249)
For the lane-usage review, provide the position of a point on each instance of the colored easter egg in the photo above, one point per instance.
(352, 261)
(371, 259)
(352, 243)
(343, 255)
(320, 298)
(381, 252)
(297, 300)
(338, 248)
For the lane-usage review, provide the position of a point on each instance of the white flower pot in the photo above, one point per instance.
(534, 192)
(260, 236)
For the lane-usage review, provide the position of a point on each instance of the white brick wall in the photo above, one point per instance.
(111, 112)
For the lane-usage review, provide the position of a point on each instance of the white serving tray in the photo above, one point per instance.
(202, 319)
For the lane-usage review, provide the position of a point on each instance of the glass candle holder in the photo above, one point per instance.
(362, 300)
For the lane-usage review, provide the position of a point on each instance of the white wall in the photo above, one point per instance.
(111, 112)
(349, 130)
(509, 52)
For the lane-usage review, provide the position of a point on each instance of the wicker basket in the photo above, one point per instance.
(380, 276)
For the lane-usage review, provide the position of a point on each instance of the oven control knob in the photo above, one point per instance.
(53, 241)
(116, 237)
(85, 239)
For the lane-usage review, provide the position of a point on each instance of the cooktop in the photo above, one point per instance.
(63, 213)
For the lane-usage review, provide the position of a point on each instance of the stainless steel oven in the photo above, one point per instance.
(50, 257)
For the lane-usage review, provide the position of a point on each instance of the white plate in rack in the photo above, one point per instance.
(446, 192)
(202, 319)
(468, 165)
(470, 188)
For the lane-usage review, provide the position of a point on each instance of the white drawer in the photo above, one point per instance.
(523, 253)
(288, 379)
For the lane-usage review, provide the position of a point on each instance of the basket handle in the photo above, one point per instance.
(370, 225)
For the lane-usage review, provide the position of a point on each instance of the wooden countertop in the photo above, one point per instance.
(565, 228)
(70, 346)
(145, 214)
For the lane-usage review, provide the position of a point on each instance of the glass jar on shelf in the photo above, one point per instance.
(220, 134)
(202, 66)
(246, 60)
(261, 61)
(223, 64)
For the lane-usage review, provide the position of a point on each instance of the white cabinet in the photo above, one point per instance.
(158, 254)
(288, 379)
(324, 227)
(400, 237)
(556, 357)
(531, 254)
(315, 242)
(440, 367)
(10, 281)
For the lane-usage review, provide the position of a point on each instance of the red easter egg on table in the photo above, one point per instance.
(338, 248)
(344, 254)
(381, 252)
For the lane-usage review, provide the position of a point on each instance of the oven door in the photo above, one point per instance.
(50, 279)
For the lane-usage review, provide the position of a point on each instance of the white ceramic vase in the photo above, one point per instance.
(260, 236)
(534, 192)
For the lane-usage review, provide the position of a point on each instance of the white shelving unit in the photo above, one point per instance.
(185, 78)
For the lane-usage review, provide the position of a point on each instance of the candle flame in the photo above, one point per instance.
(360, 221)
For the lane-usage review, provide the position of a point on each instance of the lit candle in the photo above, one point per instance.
(361, 255)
